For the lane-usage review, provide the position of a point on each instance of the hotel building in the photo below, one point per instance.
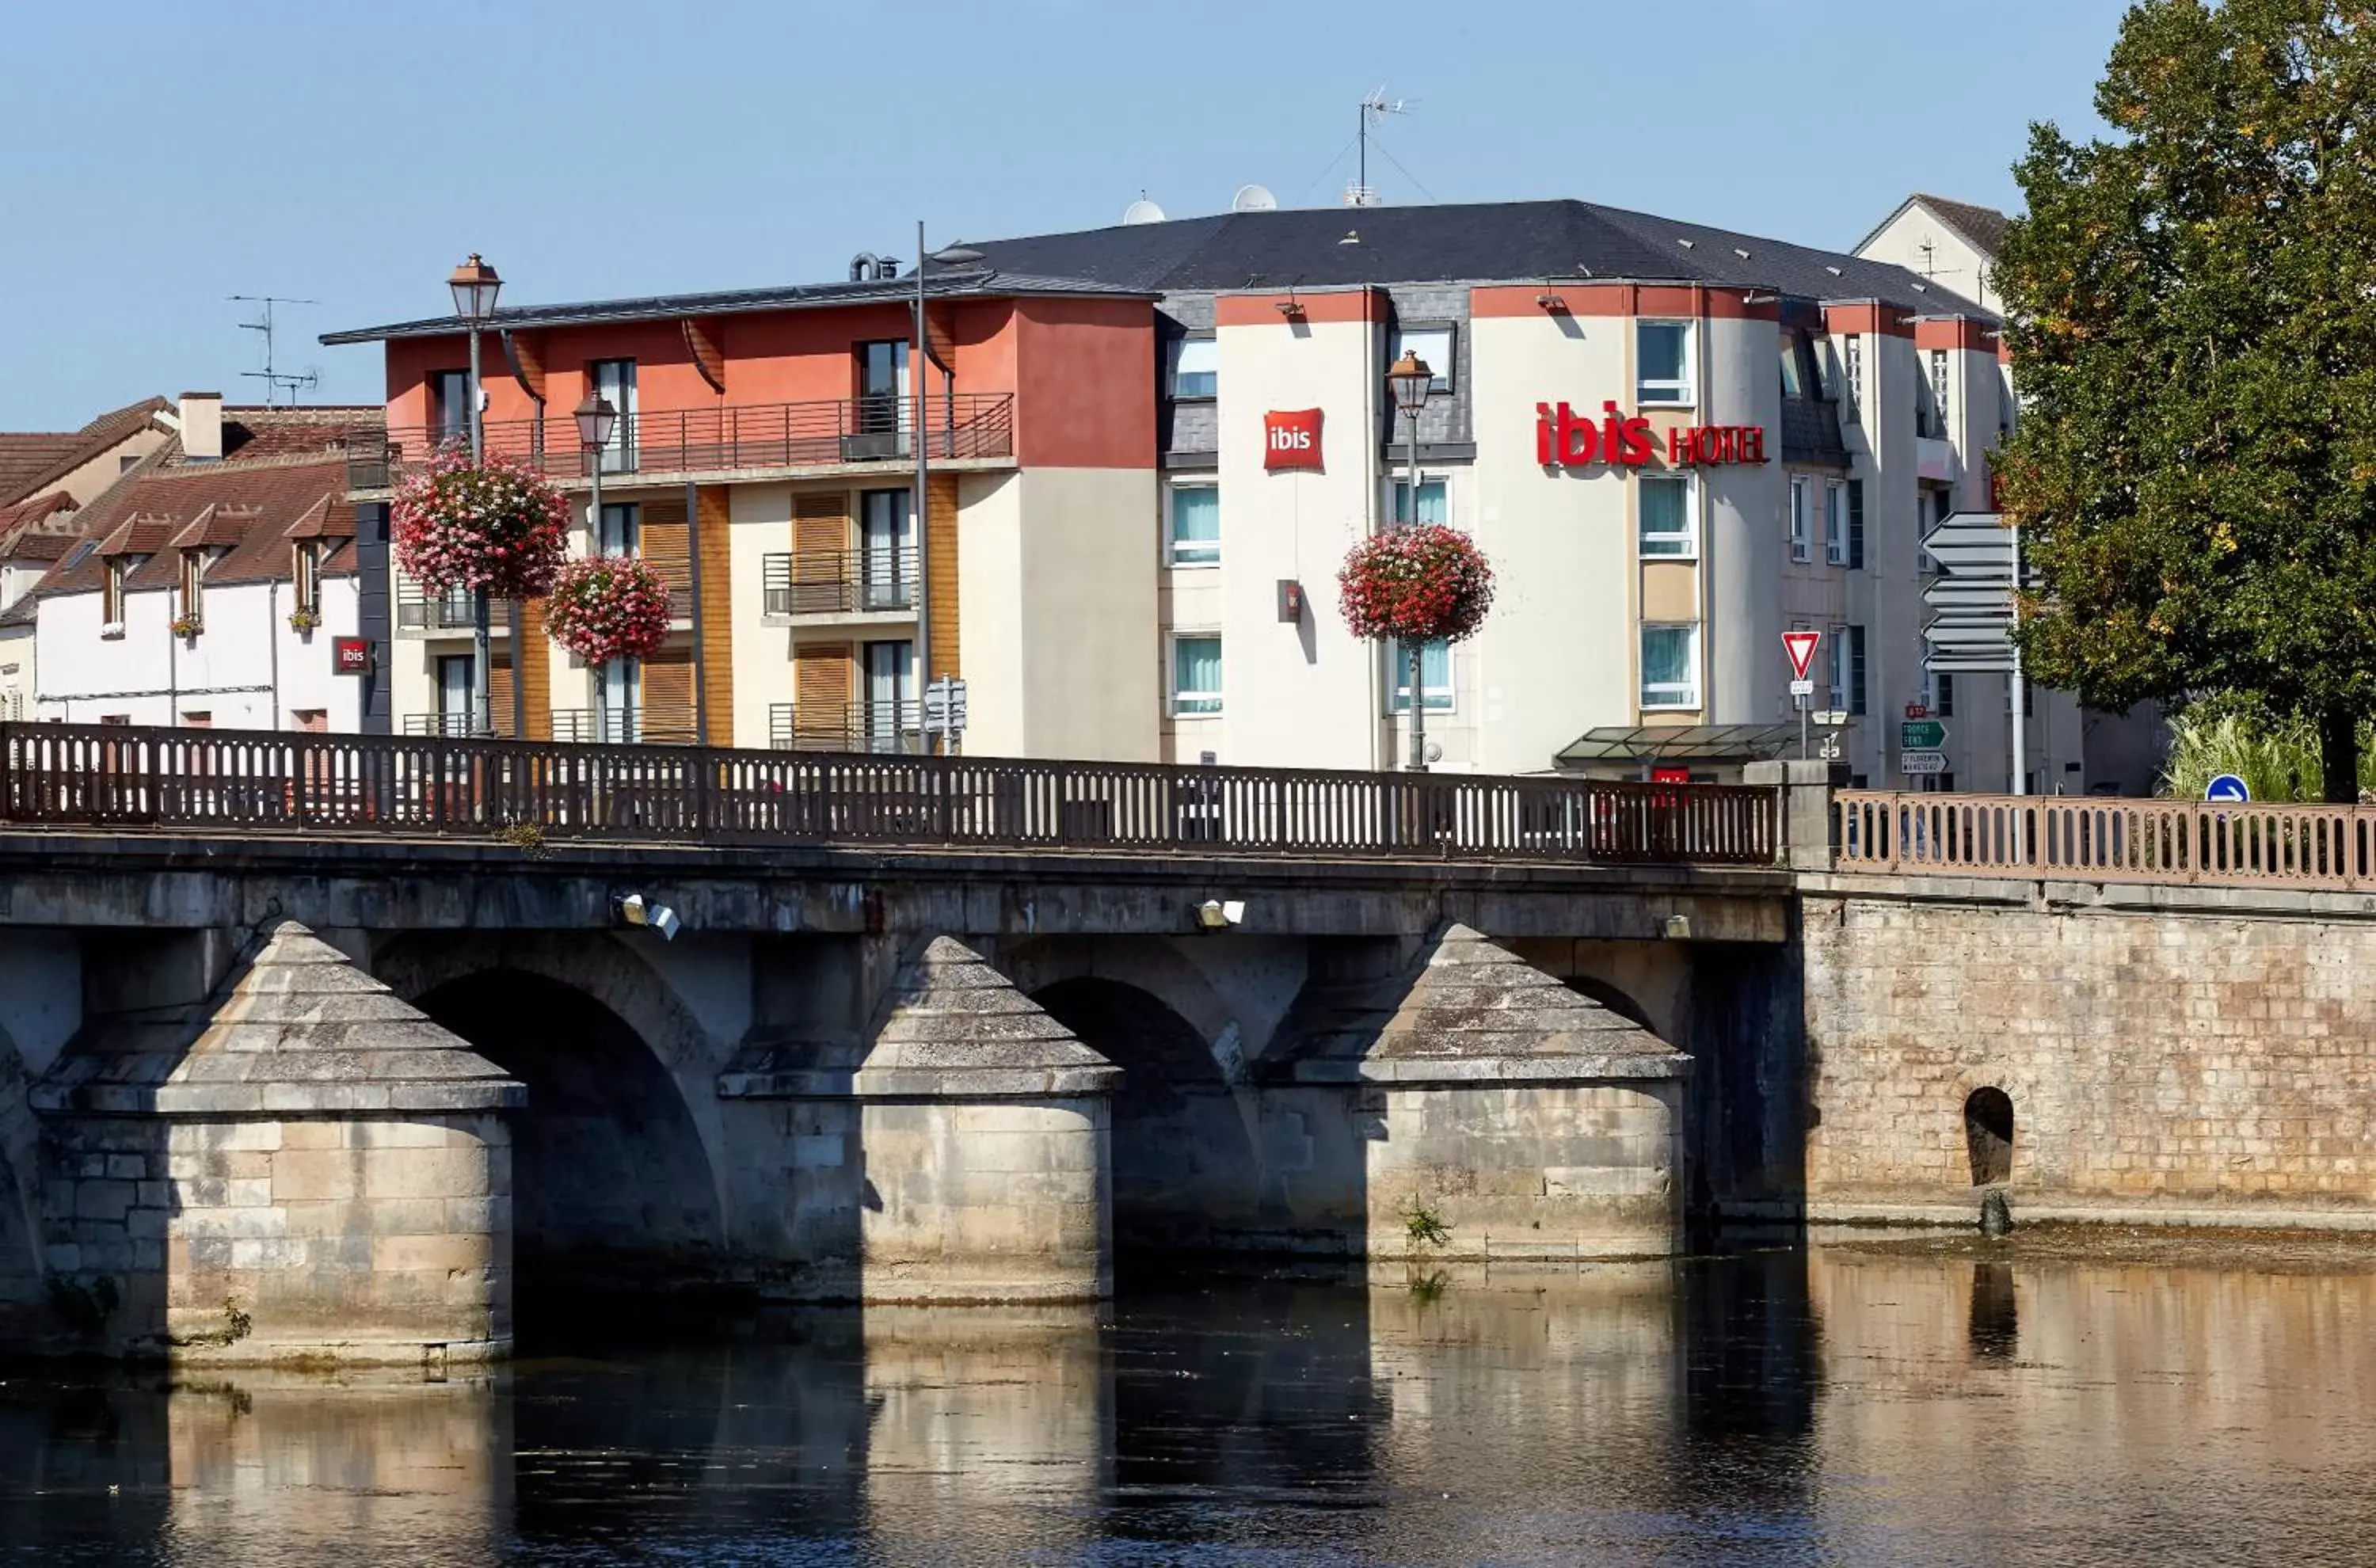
(1152, 445)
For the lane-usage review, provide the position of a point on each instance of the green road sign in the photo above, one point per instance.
(1921, 735)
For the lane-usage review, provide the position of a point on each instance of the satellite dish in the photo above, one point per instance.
(1253, 198)
(1142, 211)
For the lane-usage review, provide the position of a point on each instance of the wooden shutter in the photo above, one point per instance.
(499, 690)
(667, 544)
(667, 697)
(941, 544)
(824, 685)
(821, 520)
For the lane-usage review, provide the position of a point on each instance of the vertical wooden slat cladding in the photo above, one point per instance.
(668, 694)
(940, 575)
(821, 520)
(711, 531)
(499, 688)
(536, 669)
(666, 541)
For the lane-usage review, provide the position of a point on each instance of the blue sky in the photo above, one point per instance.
(157, 158)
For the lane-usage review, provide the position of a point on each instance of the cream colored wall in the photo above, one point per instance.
(1747, 681)
(991, 612)
(760, 524)
(1558, 654)
(17, 684)
(1953, 261)
(1306, 694)
(85, 482)
(1086, 615)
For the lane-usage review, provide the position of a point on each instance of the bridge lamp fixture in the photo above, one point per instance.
(1220, 914)
(634, 908)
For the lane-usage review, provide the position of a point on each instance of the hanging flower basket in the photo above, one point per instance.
(185, 626)
(612, 607)
(302, 621)
(496, 526)
(1419, 584)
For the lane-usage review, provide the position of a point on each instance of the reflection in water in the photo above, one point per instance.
(1843, 1405)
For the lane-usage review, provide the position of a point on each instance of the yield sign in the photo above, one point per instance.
(1800, 646)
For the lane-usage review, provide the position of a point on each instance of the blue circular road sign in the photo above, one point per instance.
(2227, 787)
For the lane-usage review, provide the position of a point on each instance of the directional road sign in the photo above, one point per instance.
(1921, 735)
(1921, 761)
(2227, 787)
(1972, 545)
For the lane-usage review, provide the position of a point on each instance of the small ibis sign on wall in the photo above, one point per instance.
(1291, 439)
(350, 656)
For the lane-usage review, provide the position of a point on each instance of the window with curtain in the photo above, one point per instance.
(1801, 545)
(1434, 501)
(619, 529)
(1670, 666)
(1196, 368)
(1668, 518)
(1196, 675)
(1434, 347)
(1662, 356)
(1196, 525)
(1836, 524)
(1434, 674)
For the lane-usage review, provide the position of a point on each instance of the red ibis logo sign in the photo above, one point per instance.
(1291, 439)
(1566, 439)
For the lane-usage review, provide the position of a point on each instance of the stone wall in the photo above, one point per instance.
(2172, 1052)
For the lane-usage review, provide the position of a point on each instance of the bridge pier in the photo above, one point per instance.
(297, 1165)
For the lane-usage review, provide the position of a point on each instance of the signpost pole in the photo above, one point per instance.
(1802, 726)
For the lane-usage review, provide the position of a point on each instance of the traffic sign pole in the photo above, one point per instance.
(1798, 648)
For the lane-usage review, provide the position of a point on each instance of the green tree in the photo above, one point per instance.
(2191, 311)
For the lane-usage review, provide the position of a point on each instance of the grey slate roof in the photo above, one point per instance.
(1521, 241)
(972, 281)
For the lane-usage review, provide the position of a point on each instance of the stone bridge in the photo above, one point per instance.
(319, 1083)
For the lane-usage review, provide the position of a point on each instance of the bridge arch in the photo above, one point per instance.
(1182, 1145)
(616, 1167)
(22, 1273)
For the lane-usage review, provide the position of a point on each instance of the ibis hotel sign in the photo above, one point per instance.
(1291, 439)
(1566, 439)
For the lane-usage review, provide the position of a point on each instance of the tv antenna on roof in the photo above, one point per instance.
(273, 378)
(1362, 192)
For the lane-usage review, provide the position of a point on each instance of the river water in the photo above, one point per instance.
(1937, 1402)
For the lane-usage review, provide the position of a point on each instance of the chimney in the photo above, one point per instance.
(202, 427)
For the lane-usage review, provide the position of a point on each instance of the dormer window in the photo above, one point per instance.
(305, 573)
(194, 576)
(110, 591)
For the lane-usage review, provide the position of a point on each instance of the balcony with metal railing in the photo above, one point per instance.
(878, 727)
(759, 440)
(837, 582)
(625, 727)
(421, 613)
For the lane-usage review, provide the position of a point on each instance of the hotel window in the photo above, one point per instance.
(886, 549)
(1844, 655)
(1836, 524)
(1434, 347)
(449, 405)
(455, 697)
(1434, 501)
(1196, 525)
(1196, 675)
(1853, 351)
(1671, 661)
(618, 701)
(1939, 391)
(1668, 518)
(310, 721)
(1802, 544)
(1855, 524)
(305, 574)
(1434, 674)
(1662, 353)
(615, 380)
(619, 531)
(1794, 370)
(110, 593)
(1195, 368)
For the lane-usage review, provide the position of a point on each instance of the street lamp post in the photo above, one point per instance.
(595, 419)
(1412, 380)
(955, 256)
(474, 284)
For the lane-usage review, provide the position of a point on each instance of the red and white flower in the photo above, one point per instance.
(611, 607)
(495, 526)
(1420, 584)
